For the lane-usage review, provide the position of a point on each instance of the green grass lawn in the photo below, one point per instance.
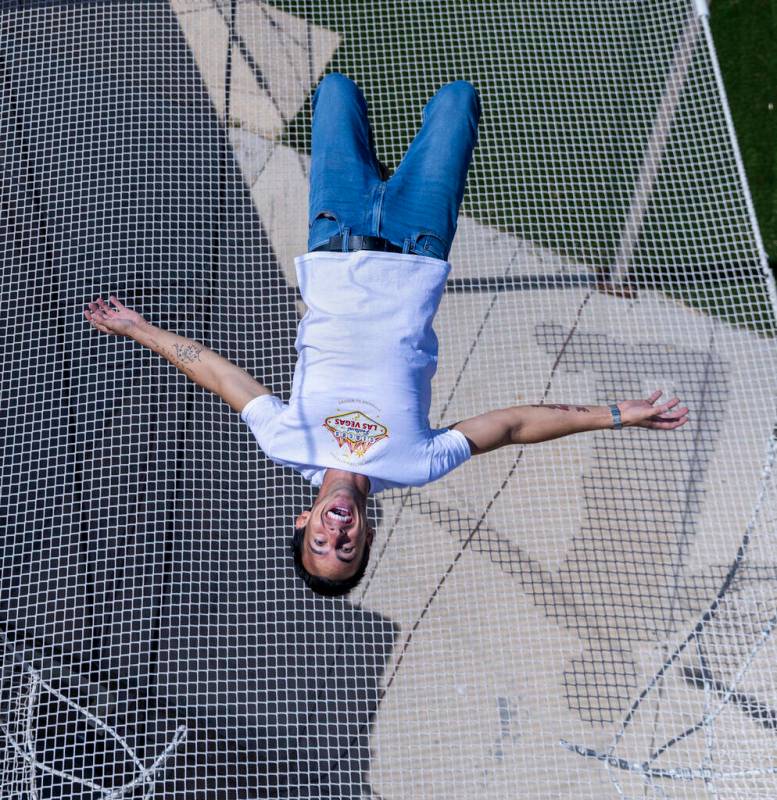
(570, 103)
(745, 33)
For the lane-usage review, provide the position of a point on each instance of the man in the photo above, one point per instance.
(357, 420)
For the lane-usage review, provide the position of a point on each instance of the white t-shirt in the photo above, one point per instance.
(362, 384)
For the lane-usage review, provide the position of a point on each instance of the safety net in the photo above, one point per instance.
(587, 618)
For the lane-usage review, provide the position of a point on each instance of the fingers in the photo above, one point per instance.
(668, 425)
(659, 411)
(669, 404)
(667, 416)
(662, 409)
(99, 310)
(664, 414)
(100, 314)
(668, 422)
(671, 417)
(95, 313)
(90, 316)
(105, 308)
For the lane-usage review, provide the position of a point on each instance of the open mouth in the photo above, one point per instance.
(339, 514)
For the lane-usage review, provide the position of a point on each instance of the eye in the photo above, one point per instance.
(319, 542)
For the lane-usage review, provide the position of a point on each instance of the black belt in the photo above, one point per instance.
(359, 243)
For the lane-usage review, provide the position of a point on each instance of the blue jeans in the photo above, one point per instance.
(417, 208)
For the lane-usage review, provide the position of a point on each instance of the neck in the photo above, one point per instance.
(340, 479)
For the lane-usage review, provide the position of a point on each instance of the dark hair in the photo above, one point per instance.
(325, 586)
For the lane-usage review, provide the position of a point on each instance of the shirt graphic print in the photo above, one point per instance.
(355, 431)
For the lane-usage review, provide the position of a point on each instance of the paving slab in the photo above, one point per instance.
(599, 538)
(275, 58)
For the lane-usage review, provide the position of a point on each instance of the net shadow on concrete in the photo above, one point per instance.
(148, 584)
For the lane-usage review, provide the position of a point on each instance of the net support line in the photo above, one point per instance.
(675, 773)
(654, 153)
(26, 752)
(689, 773)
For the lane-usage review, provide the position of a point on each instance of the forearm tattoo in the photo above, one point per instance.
(561, 407)
(187, 353)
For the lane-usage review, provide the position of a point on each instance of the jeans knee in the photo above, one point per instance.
(459, 94)
(336, 85)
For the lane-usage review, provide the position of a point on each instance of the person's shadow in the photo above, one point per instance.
(145, 575)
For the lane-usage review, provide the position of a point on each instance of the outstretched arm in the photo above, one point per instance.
(206, 368)
(540, 423)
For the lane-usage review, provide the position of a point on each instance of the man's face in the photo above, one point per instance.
(336, 534)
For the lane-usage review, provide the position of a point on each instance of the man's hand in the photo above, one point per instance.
(646, 414)
(119, 320)
(206, 368)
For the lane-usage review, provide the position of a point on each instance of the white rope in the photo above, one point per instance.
(654, 153)
(675, 773)
(145, 774)
(108, 794)
(29, 736)
(689, 773)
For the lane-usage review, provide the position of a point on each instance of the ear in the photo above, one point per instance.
(370, 536)
(302, 519)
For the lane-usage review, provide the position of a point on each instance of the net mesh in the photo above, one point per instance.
(587, 618)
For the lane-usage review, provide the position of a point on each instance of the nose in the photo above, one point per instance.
(332, 526)
(342, 537)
